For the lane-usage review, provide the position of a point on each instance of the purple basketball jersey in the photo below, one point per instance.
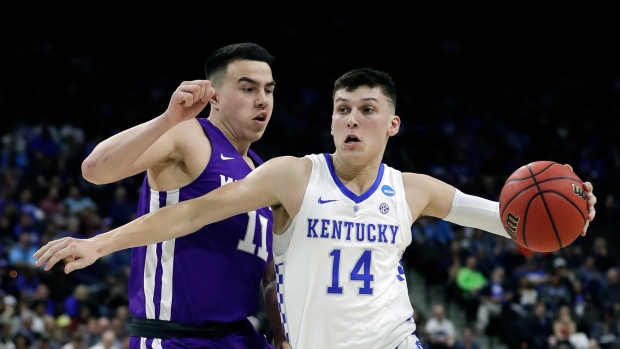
(210, 275)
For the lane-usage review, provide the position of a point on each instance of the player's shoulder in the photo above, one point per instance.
(191, 126)
(288, 160)
(190, 133)
(413, 177)
(417, 180)
(287, 168)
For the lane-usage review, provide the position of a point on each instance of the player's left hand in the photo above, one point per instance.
(591, 202)
(78, 253)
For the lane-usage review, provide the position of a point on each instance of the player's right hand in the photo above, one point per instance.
(283, 345)
(188, 100)
(78, 253)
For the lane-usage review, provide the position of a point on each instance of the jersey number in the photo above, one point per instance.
(360, 272)
(247, 244)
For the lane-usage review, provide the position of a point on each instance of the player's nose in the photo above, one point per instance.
(262, 100)
(352, 119)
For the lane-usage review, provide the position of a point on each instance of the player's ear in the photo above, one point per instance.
(214, 100)
(394, 125)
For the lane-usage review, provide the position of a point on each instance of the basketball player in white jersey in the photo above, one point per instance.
(342, 222)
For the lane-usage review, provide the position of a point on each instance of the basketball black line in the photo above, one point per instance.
(552, 221)
(515, 195)
(527, 208)
(567, 199)
(545, 180)
(529, 167)
(555, 229)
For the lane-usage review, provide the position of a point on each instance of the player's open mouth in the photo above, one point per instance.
(261, 118)
(351, 139)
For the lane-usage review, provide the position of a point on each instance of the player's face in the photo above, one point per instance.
(362, 122)
(245, 99)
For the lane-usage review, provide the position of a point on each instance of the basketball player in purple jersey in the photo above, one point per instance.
(197, 291)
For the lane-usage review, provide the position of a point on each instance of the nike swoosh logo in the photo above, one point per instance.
(225, 157)
(321, 201)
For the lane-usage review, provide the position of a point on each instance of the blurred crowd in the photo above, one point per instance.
(474, 108)
(569, 298)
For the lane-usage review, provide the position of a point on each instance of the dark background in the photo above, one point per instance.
(486, 86)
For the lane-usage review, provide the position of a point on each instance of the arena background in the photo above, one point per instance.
(483, 88)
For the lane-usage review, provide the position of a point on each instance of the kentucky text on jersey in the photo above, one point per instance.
(333, 229)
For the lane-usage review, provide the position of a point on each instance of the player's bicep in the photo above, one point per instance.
(254, 191)
(162, 151)
(169, 149)
(427, 196)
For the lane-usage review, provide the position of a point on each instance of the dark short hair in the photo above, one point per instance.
(218, 61)
(354, 79)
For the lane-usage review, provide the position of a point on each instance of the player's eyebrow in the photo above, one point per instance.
(254, 82)
(367, 99)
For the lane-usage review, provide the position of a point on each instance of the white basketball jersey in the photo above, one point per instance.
(339, 275)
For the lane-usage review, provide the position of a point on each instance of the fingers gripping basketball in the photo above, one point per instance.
(543, 206)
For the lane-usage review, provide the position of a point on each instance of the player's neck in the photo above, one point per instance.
(357, 178)
(242, 145)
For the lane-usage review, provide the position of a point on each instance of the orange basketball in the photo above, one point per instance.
(543, 206)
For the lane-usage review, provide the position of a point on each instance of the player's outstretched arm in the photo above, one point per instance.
(428, 196)
(140, 147)
(261, 188)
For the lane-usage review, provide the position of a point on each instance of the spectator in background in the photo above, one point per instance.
(13, 154)
(605, 330)
(45, 141)
(533, 270)
(493, 297)
(41, 296)
(76, 201)
(21, 254)
(108, 341)
(526, 296)
(77, 341)
(610, 293)
(122, 210)
(573, 255)
(611, 210)
(565, 330)
(49, 204)
(602, 259)
(29, 224)
(467, 340)
(440, 330)
(592, 281)
(26, 206)
(79, 298)
(538, 328)
(469, 280)
(27, 282)
(555, 293)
